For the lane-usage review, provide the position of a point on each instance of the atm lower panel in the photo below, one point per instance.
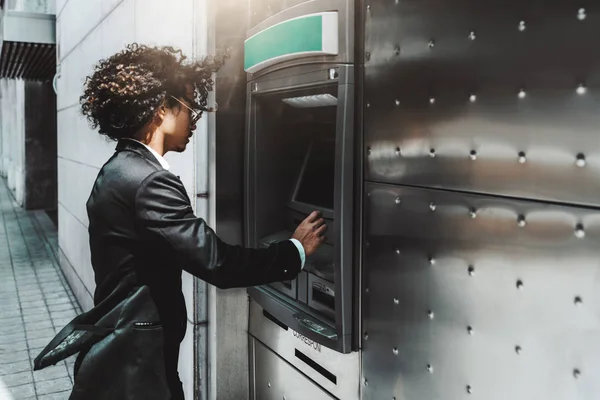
(337, 373)
(271, 378)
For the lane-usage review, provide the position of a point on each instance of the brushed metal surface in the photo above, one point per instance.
(471, 296)
(285, 342)
(491, 97)
(274, 379)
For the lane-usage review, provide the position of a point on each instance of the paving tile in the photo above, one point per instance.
(53, 386)
(52, 372)
(12, 338)
(26, 293)
(62, 300)
(32, 303)
(62, 322)
(11, 301)
(56, 396)
(36, 317)
(61, 307)
(11, 320)
(14, 367)
(14, 328)
(23, 391)
(27, 280)
(57, 295)
(63, 314)
(34, 311)
(39, 342)
(18, 379)
(41, 333)
(34, 326)
(15, 356)
(9, 312)
(13, 347)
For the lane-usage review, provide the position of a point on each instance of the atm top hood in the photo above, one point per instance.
(28, 42)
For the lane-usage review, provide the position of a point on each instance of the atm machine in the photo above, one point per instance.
(299, 157)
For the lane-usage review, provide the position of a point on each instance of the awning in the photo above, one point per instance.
(28, 46)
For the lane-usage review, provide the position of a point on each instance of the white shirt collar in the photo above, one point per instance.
(158, 157)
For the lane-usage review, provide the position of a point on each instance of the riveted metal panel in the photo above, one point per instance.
(471, 294)
(497, 97)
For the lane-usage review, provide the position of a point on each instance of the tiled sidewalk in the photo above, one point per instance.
(35, 303)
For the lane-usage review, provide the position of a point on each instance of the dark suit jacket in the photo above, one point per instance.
(141, 221)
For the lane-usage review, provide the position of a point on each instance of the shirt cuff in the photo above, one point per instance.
(300, 250)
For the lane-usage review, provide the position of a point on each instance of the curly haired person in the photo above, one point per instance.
(143, 232)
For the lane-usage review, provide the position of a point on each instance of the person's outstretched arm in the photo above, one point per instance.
(165, 218)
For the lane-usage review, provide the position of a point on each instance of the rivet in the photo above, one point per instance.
(518, 349)
(579, 231)
(473, 98)
(395, 351)
(369, 194)
(522, 26)
(366, 336)
(581, 89)
(366, 382)
(431, 260)
(368, 56)
(285, 271)
(254, 87)
(397, 102)
(269, 384)
(521, 221)
(576, 373)
(396, 300)
(473, 213)
(333, 73)
(470, 330)
(430, 314)
(578, 300)
(397, 50)
(432, 206)
(397, 251)
(431, 44)
(398, 200)
(396, 1)
(368, 104)
(522, 157)
(429, 368)
(369, 7)
(580, 161)
(519, 284)
(471, 270)
(581, 14)
(368, 150)
(432, 153)
(284, 398)
(366, 290)
(469, 389)
(473, 155)
(398, 151)
(432, 100)
(472, 35)
(522, 94)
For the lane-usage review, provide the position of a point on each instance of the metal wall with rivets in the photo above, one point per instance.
(482, 205)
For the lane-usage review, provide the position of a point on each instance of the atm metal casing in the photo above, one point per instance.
(294, 306)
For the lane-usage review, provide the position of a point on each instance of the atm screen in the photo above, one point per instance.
(317, 180)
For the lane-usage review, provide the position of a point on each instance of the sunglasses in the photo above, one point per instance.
(195, 115)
